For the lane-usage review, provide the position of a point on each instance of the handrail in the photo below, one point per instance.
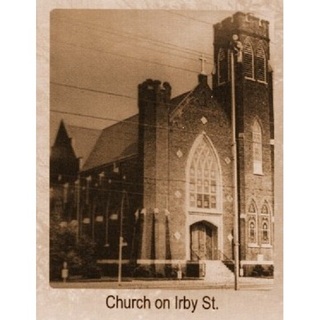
(193, 252)
(225, 256)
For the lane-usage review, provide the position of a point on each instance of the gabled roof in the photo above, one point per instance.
(82, 139)
(182, 101)
(102, 147)
(115, 142)
(62, 147)
(177, 100)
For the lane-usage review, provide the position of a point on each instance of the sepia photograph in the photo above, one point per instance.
(159, 145)
(162, 149)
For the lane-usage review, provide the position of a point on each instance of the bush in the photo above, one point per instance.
(144, 271)
(271, 270)
(260, 271)
(257, 271)
(79, 255)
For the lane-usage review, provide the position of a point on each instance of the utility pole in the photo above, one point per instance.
(235, 48)
(77, 189)
(120, 238)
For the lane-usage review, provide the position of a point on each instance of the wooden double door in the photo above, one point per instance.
(203, 238)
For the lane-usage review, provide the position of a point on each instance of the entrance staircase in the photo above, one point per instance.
(217, 272)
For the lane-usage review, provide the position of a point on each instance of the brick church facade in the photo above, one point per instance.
(163, 180)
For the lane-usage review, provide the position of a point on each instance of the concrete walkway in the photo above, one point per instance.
(245, 283)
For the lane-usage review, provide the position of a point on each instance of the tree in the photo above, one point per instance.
(80, 255)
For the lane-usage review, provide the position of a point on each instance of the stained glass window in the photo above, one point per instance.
(252, 223)
(264, 209)
(203, 175)
(252, 230)
(265, 224)
(265, 230)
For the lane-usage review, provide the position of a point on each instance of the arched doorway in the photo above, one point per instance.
(203, 241)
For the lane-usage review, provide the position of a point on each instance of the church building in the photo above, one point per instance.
(176, 185)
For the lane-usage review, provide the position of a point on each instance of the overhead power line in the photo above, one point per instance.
(169, 128)
(132, 36)
(125, 56)
(188, 17)
(102, 186)
(92, 90)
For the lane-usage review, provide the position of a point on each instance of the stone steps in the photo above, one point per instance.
(217, 272)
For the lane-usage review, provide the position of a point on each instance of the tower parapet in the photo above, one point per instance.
(154, 91)
(242, 22)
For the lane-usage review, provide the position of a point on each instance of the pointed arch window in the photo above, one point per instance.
(204, 178)
(248, 61)
(257, 147)
(252, 230)
(260, 64)
(252, 224)
(265, 234)
(222, 66)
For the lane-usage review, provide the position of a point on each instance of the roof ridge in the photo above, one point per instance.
(81, 127)
(125, 120)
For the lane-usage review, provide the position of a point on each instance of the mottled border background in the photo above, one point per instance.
(90, 303)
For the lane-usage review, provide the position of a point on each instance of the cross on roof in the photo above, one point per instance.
(202, 59)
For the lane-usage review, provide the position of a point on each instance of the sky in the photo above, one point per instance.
(99, 57)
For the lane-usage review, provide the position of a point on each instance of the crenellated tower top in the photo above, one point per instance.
(244, 23)
(154, 90)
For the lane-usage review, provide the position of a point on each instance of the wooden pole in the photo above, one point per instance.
(120, 238)
(235, 175)
(77, 186)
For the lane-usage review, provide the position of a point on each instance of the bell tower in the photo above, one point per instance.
(248, 37)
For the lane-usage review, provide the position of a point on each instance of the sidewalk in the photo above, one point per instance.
(245, 283)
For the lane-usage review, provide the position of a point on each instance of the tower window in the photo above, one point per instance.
(248, 64)
(260, 64)
(257, 148)
(222, 66)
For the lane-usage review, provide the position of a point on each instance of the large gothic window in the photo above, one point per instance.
(257, 147)
(222, 66)
(203, 177)
(260, 64)
(248, 62)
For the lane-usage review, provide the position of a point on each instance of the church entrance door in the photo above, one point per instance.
(203, 236)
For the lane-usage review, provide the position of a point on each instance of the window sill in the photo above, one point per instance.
(194, 211)
(254, 80)
(253, 245)
(266, 246)
(258, 173)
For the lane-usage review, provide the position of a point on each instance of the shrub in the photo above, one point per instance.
(80, 255)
